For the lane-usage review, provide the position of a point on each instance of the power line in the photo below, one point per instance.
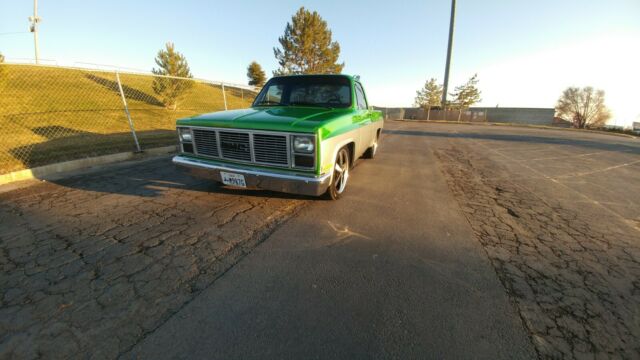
(14, 33)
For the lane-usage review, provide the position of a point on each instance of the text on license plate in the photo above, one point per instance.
(233, 179)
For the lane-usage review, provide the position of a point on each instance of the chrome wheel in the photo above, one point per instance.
(341, 171)
(340, 174)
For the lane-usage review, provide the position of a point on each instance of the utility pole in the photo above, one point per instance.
(35, 19)
(449, 49)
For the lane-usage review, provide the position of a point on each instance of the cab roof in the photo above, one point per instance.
(350, 77)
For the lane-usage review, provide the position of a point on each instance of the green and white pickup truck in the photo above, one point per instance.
(302, 135)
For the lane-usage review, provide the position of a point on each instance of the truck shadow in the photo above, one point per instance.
(156, 177)
(148, 178)
(223, 189)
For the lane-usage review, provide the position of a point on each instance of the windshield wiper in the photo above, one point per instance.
(269, 102)
(309, 104)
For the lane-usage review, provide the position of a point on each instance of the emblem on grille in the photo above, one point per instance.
(234, 146)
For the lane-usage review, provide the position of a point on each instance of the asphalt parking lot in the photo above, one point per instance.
(457, 241)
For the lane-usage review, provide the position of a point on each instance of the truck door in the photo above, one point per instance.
(364, 120)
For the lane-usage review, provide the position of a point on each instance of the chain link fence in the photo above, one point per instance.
(529, 116)
(465, 115)
(50, 114)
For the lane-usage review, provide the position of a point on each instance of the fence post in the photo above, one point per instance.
(224, 96)
(242, 94)
(126, 111)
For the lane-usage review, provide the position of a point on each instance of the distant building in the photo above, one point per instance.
(560, 122)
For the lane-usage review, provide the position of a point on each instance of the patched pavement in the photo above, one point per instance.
(455, 242)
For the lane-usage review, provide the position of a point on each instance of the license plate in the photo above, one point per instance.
(233, 179)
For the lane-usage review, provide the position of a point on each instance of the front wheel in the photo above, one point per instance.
(340, 175)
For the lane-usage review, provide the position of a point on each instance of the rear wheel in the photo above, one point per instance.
(371, 152)
(340, 175)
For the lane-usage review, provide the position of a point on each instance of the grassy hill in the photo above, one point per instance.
(52, 114)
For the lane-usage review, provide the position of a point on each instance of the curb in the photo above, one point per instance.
(48, 171)
(520, 125)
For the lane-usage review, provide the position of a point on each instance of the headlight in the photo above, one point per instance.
(185, 135)
(303, 144)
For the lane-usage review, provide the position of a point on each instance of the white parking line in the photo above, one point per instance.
(547, 148)
(630, 223)
(566, 157)
(596, 171)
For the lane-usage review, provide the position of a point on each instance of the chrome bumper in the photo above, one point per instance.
(256, 178)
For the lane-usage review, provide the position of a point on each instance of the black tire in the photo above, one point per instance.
(340, 176)
(371, 152)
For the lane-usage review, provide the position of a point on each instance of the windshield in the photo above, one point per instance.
(324, 91)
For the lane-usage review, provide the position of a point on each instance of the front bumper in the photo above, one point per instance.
(313, 185)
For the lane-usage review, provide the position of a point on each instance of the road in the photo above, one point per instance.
(390, 270)
(457, 241)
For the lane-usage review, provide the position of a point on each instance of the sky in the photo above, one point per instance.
(524, 52)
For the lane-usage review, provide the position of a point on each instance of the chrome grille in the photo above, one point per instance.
(235, 145)
(270, 149)
(206, 142)
(258, 147)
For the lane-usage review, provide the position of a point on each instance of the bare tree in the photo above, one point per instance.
(584, 107)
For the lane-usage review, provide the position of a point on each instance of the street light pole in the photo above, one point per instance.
(35, 19)
(449, 50)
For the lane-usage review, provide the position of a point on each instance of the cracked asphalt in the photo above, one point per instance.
(457, 241)
(93, 263)
(559, 218)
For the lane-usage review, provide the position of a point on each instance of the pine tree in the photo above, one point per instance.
(429, 96)
(171, 64)
(466, 95)
(256, 75)
(307, 47)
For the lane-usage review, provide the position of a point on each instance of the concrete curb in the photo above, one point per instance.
(48, 171)
(519, 125)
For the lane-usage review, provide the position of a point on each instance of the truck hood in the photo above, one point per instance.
(282, 118)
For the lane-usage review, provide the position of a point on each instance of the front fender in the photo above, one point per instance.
(329, 149)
